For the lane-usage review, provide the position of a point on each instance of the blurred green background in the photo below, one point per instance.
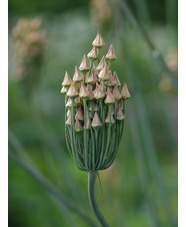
(45, 39)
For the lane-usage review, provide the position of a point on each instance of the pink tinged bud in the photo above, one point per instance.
(83, 93)
(73, 90)
(63, 90)
(79, 115)
(120, 115)
(107, 120)
(98, 92)
(116, 93)
(104, 73)
(109, 98)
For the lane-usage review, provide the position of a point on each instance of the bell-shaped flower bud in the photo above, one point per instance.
(79, 115)
(77, 75)
(63, 90)
(73, 90)
(124, 92)
(111, 53)
(84, 66)
(78, 126)
(110, 82)
(96, 122)
(115, 77)
(98, 41)
(67, 80)
(101, 64)
(109, 97)
(116, 93)
(107, 119)
(93, 54)
(120, 115)
(83, 93)
(104, 73)
(98, 92)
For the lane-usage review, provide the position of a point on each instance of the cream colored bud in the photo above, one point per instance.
(84, 66)
(92, 79)
(111, 53)
(69, 103)
(98, 92)
(77, 75)
(115, 77)
(124, 92)
(63, 90)
(83, 93)
(110, 82)
(79, 115)
(120, 115)
(68, 113)
(109, 98)
(93, 54)
(95, 106)
(78, 126)
(96, 122)
(101, 64)
(104, 73)
(116, 93)
(107, 119)
(73, 90)
(98, 41)
(67, 80)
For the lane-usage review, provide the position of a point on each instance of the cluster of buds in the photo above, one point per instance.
(94, 110)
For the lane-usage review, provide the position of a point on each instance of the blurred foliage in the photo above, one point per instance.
(140, 188)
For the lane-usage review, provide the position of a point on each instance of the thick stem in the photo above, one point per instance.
(92, 198)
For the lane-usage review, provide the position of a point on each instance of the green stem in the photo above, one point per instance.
(92, 198)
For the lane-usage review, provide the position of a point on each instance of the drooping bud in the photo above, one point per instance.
(120, 105)
(83, 93)
(115, 77)
(69, 103)
(63, 90)
(78, 101)
(68, 121)
(104, 73)
(101, 64)
(91, 94)
(109, 98)
(68, 113)
(125, 92)
(84, 66)
(98, 41)
(116, 93)
(73, 90)
(67, 80)
(120, 115)
(98, 92)
(79, 115)
(110, 82)
(107, 119)
(96, 122)
(111, 53)
(93, 54)
(78, 126)
(77, 75)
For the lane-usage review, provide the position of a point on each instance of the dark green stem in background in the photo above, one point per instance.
(92, 198)
(155, 52)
